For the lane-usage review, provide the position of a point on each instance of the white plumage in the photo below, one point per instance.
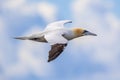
(57, 25)
(57, 36)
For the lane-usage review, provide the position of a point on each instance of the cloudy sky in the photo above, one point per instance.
(85, 58)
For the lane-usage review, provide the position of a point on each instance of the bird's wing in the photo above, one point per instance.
(57, 42)
(57, 25)
(55, 51)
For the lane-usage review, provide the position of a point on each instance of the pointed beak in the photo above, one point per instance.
(89, 33)
(21, 38)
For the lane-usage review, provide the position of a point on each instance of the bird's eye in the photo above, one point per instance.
(85, 31)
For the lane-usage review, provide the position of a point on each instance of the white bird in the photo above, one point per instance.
(57, 36)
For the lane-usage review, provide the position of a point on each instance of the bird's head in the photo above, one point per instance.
(82, 32)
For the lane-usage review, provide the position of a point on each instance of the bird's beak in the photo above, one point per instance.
(21, 38)
(89, 33)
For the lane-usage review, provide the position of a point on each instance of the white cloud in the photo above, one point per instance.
(48, 11)
(102, 21)
(31, 58)
(80, 5)
(2, 24)
(34, 55)
(2, 32)
(13, 4)
(98, 24)
(113, 21)
(22, 7)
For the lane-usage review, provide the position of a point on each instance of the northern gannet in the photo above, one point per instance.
(57, 36)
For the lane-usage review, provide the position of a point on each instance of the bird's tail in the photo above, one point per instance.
(21, 38)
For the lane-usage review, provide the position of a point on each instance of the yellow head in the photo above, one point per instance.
(81, 32)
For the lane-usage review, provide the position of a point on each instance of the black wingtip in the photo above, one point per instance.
(49, 60)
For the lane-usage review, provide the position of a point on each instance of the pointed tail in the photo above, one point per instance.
(21, 38)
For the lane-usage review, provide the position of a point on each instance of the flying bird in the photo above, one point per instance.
(57, 36)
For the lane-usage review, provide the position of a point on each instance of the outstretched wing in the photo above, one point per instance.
(57, 42)
(55, 51)
(57, 25)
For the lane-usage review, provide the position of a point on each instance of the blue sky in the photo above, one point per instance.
(85, 58)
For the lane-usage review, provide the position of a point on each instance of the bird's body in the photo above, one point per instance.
(57, 36)
(67, 33)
